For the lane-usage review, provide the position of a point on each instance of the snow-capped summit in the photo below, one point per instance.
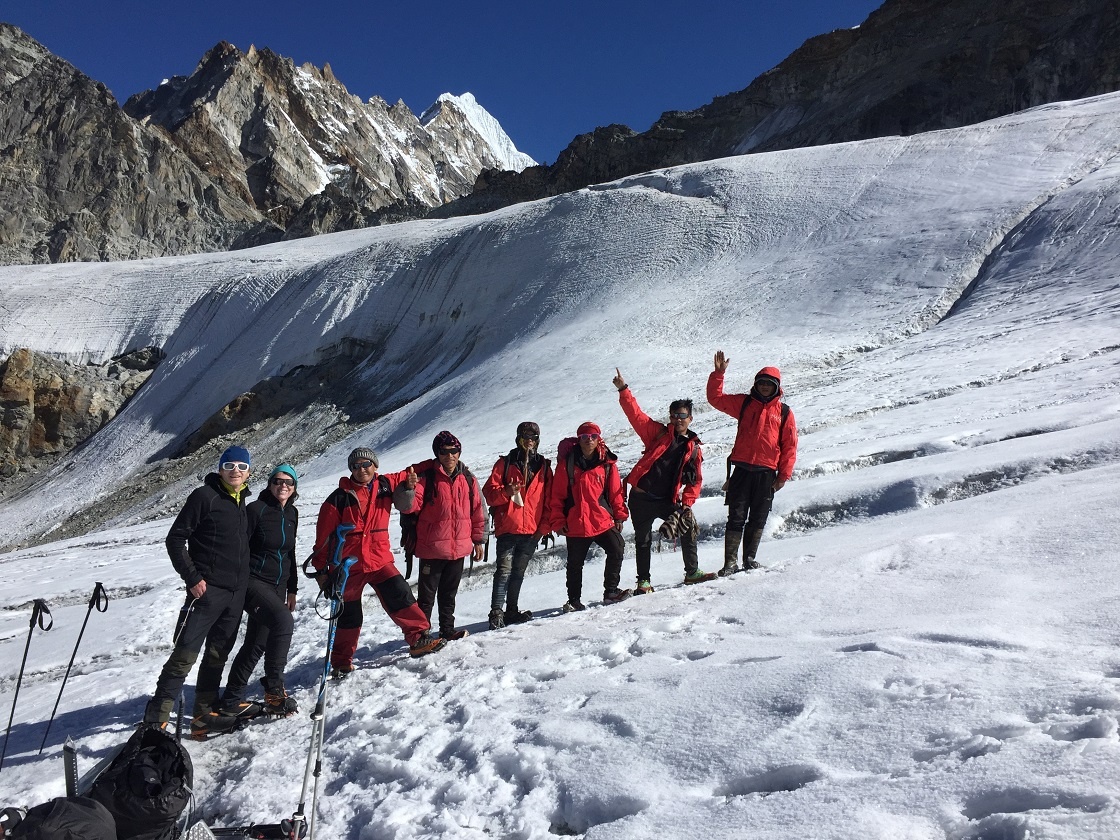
(483, 122)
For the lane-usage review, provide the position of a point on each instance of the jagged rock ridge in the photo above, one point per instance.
(247, 149)
(912, 66)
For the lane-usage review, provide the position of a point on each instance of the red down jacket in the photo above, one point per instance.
(530, 518)
(757, 439)
(452, 520)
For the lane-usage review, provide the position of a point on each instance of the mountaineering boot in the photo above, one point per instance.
(516, 616)
(454, 635)
(697, 576)
(572, 606)
(750, 549)
(497, 619)
(227, 718)
(613, 596)
(427, 643)
(731, 541)
(643, 588)
(277, 703)
(342, 670)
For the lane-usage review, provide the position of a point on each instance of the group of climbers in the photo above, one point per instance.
(235, 556)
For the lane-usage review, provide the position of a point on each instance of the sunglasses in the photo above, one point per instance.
(587, 438)
(363, 465)
(230, 466)
(283, 482)
(680, 415)
(450, 451)
(528, 437)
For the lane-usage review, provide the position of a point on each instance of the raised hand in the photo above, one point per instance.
(721, 361)
(618, 381)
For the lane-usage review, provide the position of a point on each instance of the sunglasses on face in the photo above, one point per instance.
(363, 465)
(239, 466)
(283, 482)
(529, 437)
(680, 415)
(588, 438)
(450, 451)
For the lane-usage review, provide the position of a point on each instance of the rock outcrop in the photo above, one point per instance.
(912, 66)
(47, 407)
(310, 157)
(246, 150)
(81, 180)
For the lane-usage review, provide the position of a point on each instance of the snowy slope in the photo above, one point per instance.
(931, 650)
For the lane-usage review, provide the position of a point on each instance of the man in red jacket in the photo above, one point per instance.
(354, 522)
(763, 456)
(587, 506)
(666, 478)
(517, 492)
(451, 525)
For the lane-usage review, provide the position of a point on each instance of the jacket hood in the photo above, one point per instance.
(772, 372)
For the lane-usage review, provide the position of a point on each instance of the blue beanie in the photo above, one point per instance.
(286, 468)
(234, 453)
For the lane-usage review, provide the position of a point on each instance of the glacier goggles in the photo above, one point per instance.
(364, 464)
(282, 482)
(529, 437)
(231, 466)
(588, 438)
(680, 415)
(451, 450)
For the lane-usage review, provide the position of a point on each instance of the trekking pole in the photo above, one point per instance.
(301, 823)
(40, 613)
(100, 600)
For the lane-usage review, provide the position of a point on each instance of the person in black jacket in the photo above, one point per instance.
(270, 598)
(209, 548)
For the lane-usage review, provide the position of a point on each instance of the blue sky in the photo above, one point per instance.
(547, 72)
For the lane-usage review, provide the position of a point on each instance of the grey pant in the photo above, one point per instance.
(514, 553)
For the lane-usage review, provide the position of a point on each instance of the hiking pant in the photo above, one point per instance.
(396, 599)
(514, 553)
(643, 510)
(750, 495)
(611, 542)
(439, 581)
(268, 633)
(214, 619)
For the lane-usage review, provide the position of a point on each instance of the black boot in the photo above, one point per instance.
(750, 548)
(731, 540)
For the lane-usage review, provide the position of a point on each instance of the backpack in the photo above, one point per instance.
(66, 818)
(147, 786)
(409, 521)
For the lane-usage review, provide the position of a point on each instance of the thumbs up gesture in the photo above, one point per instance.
(412, 478)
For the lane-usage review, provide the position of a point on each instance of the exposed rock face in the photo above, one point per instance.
(80, 180)
(248, 149)
(48, 407)
(310, 157)
(912, 66)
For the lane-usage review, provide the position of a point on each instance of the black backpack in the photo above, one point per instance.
(66, 818)
(147, 786)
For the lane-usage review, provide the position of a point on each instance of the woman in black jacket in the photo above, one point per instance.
(271, 596)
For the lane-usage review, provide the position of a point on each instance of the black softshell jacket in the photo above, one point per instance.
(209, 539)
(272, 540)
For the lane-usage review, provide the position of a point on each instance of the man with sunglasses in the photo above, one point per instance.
(667, 478)
(354, 522)
(763, 457)
(517, 492)
(209, 547)
(451, 525)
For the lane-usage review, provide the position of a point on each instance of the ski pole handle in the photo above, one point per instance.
(99, 600)
(40, 612)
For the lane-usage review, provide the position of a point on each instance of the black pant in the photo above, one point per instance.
(750, 495)
(268, 632)
(514, 553)
(643, 511)
(611, 542)
(440, 579)
(213, 619)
